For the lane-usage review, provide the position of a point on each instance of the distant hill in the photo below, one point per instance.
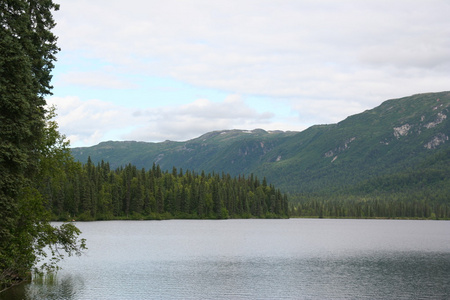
(398, 141)
(232, 151)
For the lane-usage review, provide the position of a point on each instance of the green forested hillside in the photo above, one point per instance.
(398, 150)
(398, 134)
(420, 191)
(232, 151)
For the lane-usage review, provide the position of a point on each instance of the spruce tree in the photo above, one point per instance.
(28, 49)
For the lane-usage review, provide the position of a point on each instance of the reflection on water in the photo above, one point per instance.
(62, 288)
(402, 276)
(248, 259)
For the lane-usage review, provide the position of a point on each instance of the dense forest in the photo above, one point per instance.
(418, 191)
(403, 206)
(421, 191)
(95, 192)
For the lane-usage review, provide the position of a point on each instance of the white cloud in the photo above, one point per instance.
(243, 47)
(88, 122)
(324, 59)
(193, 119)
(99, 79)
(92, 121)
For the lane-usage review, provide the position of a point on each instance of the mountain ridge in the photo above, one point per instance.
(388, 139)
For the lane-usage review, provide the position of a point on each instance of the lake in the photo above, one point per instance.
(254, 259)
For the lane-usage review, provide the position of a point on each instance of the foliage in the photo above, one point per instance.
(29, 141)
(94, 192)
(32, 238)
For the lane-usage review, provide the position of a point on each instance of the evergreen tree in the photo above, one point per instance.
(28, 49)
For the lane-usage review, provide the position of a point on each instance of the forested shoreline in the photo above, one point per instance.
(95, 192)
(370, 207)
(88, 192)
(419, 192)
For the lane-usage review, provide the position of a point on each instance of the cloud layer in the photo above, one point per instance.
(322, 60)
(93, 121)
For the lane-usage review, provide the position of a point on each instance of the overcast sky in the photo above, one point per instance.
(173, 70)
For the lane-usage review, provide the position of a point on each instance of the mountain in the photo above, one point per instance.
(397, 139)
(232, 151)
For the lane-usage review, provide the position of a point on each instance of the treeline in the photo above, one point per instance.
(422, 194)
(420, 191)
(95, 192)
(416, 206)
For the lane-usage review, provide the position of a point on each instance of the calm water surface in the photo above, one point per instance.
(255, 259)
